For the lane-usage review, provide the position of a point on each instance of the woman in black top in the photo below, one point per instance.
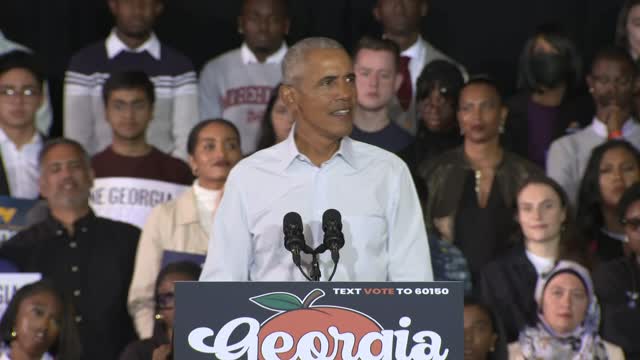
(471, 189)
(617, 283)
(613, 167)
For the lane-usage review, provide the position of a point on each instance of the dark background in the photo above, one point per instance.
(484, 35)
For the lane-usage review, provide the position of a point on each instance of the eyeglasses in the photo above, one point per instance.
(166, 301)
(619, 81)
(633, 223)
(27, 92)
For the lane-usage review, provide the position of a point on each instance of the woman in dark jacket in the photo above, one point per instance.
(547, 233)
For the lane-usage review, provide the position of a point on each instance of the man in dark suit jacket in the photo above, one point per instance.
(89, 258)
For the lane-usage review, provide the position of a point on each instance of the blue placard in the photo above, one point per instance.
(169, 257)
(15, 215)
(298, 320)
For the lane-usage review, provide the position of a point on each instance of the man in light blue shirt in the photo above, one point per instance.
(317, 168)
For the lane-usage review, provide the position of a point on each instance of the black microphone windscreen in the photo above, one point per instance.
(292, 218)
(332, 216)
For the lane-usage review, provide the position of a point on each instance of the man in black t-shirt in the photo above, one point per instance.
(377, 80)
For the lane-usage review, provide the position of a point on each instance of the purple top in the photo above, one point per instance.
(540, 125)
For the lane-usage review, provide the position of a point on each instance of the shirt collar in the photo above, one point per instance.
(416, 50)
(82, 224)
(248, 57)
(601, 130)
(289, 151)
(115, 46)
(36, 139)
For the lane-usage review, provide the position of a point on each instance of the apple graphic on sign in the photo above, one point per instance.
(299, 318)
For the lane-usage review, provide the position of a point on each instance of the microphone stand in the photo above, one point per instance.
(315, 273)
(315, 267)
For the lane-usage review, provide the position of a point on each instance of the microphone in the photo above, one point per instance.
(333, 237)
(293, 236)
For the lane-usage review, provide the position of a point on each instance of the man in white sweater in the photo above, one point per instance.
(237, 85)
(611, 86)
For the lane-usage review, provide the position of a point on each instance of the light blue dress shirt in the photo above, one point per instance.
(383, 226)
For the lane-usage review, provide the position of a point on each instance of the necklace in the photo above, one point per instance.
(478, 174)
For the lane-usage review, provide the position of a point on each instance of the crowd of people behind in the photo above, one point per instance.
(533, 202)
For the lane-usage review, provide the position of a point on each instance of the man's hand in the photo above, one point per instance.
(614, 117)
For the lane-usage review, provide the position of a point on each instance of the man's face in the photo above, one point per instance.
(65, 177)
(325, 94)
(135, 18)
(400, 17)
(480, 113)
(377, 79)
(129, 112)
(611, 83)
(20, 97)
(264, 24)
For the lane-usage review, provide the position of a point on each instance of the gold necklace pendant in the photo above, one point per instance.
(478, 174)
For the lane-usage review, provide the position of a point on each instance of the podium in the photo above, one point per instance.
(319, 320)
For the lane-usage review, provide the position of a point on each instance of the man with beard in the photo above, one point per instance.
(237, 85)
(90, 259)
(318, 167)
(377, 79)
(132, 45)
(610, 83)
(400, 20)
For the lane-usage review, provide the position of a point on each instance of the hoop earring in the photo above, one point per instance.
(14, 334)
(159, 317)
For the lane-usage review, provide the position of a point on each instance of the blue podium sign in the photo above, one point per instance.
(299, 320)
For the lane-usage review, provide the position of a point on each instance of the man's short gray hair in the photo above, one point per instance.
(293, 61)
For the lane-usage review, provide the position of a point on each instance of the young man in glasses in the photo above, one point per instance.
(20, 97)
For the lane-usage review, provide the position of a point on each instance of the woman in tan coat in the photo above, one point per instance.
(180, 228)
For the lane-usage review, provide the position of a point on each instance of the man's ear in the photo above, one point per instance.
(286, 26)
(288, 94)
(590, 82)
(504, 112)
(159, 8)
(112, 6)
(42, 186)
(239, 21)
(376, 12)
(398, 82)
(92, 176)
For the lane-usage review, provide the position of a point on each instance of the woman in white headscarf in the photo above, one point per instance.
(568, 320)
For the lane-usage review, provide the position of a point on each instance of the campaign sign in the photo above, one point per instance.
(169, 257)
(323, 320)
(130, 200)
(14, 215)
(9, 285)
